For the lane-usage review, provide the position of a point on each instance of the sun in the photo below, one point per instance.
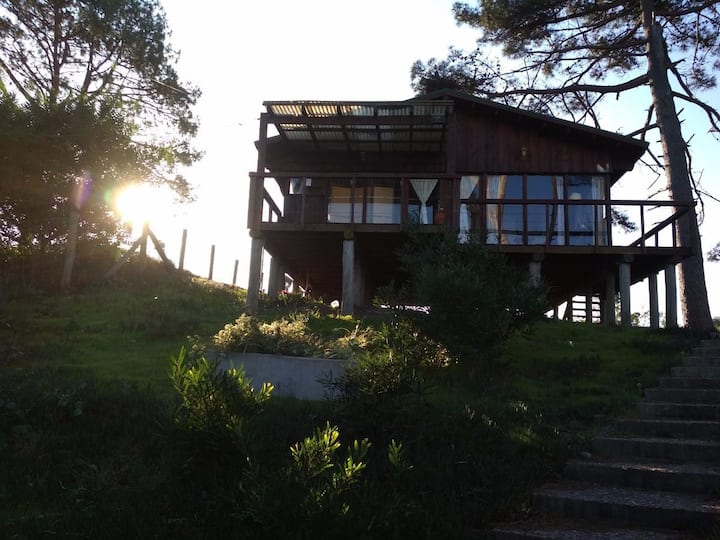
(137, 204)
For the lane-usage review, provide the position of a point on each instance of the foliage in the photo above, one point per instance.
(214, 401)
(714, 254)
(293, 335)
(89, 100)
(567, 57)
(88, 451)
(476, 299)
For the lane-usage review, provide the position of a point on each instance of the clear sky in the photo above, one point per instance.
(243, 53)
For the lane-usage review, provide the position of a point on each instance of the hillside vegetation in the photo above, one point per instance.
(96, 442)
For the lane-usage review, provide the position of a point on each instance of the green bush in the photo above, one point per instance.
(475, 299)
(293, 336)
(214, 401)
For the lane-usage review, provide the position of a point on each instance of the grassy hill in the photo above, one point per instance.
(87, 407)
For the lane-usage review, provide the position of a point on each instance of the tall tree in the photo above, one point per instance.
(90, 90)
(567, 55)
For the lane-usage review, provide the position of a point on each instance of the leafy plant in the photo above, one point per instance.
(214, 401)
(475, 299)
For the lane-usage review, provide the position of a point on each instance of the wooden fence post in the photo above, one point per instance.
(235, 272)
(212, 261)
(181, 263)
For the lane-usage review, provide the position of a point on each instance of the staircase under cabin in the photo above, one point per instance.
(652, 477)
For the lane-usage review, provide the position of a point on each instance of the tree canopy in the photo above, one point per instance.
(565, 57)
(91, 100)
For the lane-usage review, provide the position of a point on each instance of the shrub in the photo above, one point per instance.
(214, 401)
(475, 299)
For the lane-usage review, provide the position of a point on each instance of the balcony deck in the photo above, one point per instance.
(301, 231)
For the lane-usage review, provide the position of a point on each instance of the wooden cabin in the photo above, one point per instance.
(337, 183)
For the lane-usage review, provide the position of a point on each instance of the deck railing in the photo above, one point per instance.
(386, 200)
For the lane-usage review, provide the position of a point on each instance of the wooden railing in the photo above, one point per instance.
(306, 208)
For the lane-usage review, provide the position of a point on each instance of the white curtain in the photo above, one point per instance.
(495, 190)
(467, 185)
(598, 193)
(423, 188)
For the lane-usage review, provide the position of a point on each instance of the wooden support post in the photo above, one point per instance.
(181, 263)
(535, 272)
(255, 275)
(276, 279)
(160, 251)
(654, 310)
(589, 307)
(359, 288)
(608, 307)
(624, 276)
(235, 270)
(348, 275)
(143, 241)
(670, 297)
(212, 262)
(556, 312)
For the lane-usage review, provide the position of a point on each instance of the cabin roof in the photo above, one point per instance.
(380, 126)
(418, 124)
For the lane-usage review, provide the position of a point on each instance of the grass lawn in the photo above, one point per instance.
(86, 427)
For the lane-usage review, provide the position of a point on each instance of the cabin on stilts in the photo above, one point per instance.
(337, 184)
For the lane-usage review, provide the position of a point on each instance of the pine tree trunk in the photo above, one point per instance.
(694, 301)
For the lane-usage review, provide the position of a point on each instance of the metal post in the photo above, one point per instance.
(235, 270)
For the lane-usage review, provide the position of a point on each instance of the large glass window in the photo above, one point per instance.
(344, 204)
(586, 222)
(544, 221)
(504, 221)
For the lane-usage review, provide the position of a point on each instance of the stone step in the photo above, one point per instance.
(696, 371)
(657, 448)
(677, 429)
(628, 507)
(708, 361)
(686, 478)
(579, 530)
(683, 395)
(689, 382)
(688, 411)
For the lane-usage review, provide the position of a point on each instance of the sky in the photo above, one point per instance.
(243, 53)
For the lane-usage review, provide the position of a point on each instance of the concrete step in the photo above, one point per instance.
(579, 530)
(689, 411)
(683, 395)
(687, 478)
(708, 361)
(657, 448)
(689, 382)
(628, 507)
(676, 429)
(696, 371)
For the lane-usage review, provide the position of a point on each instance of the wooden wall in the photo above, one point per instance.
(500, 143)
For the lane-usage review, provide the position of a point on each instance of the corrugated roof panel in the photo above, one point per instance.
(321, 110)
(286, 109)
(404, 110)
(356, 110)
(298, 135)
(355, 135)
(329, 135)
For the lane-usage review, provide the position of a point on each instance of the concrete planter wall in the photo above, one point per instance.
(292, 376)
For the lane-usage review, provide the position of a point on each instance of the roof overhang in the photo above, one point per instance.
(363, 126)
